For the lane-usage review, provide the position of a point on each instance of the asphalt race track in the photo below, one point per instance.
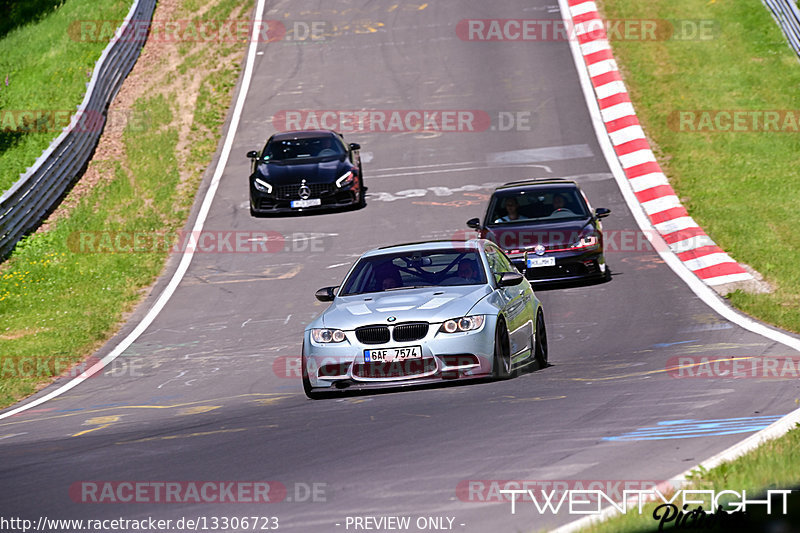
(211, 392)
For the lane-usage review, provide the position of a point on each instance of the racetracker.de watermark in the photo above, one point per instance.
(205, 241)
(556, 30)
(614, 241)
(735, 121)
(386, 120)
(200, 31)
(291, 367)
(203, 492)
(767, 367)
(500, 490)
(55, 120)
(64, 366)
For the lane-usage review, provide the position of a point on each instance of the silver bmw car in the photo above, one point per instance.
(422, 313)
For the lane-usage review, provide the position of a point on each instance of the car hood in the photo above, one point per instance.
(313, 171)
(430, 304)
(527, 236)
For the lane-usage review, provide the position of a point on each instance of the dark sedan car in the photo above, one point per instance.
(548, 230)
(304, 170)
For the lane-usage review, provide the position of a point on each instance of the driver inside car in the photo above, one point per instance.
(560, 206)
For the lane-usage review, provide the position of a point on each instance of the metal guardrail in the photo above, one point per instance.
(787, 14)
(38, 191)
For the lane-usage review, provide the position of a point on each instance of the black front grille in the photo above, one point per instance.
(411, 331)
(292, 192)
(373, 334)
(564, 270)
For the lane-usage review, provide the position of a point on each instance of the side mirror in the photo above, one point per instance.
(509, 279)
(474, 223)
(326, 294)
(355, 146)
(252, 154)
(601, 212)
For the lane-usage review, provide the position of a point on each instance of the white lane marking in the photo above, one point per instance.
(246, 321)
(2, 437)
(287, 319)
(186, 258)
(337, 265)
(438, 191)
(703, 291)
(540, 155)
(301, 237)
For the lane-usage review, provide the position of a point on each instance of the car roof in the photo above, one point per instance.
(445, 244)
(543, 183)
(302, 134)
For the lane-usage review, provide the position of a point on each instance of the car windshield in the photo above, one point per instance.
(430, 268)
(542, 205)
(292, 149)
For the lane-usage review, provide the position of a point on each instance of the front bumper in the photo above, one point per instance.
(569, 266)
(332, 198)
(445, 357)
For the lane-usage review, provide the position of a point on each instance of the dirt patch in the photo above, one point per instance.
(19, 333)
(157, 71)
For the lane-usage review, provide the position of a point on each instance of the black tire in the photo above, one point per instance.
(362, 194)
(540, 350)
(501, 366)
(252, 212)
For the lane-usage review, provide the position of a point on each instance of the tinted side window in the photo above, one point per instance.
(492, 257)
(504, 263)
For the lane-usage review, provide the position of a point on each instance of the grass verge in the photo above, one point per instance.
(44, 68)
(59, 305)
(738, 183)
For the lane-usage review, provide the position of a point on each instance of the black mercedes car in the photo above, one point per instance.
(548, 230)
(304, 170)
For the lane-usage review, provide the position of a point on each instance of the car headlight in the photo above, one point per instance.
(345, 179)
(325, 335)
(586, 241)
(262, 185)
(465, 323)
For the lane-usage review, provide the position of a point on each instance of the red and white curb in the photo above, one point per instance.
(658, 200)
